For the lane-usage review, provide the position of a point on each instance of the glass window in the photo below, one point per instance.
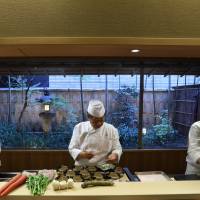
(41, 111)
(34, 114)
(123, 107)
(169, 110)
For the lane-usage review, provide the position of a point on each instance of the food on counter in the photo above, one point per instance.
(98, 176)
(56, 184)
(77, 169)
(86, 176)
(92, 169)
(97, 183)
(81, 173)
(9, 183)
(113, 175)
(50, 173)
(77, 178)
(70, 183)
(84, 171)
(26, 173)
(61, 177)
(37, 184)
(70, 173)
(61, 185)
(14, 183)
(106, 166)
(63, 169)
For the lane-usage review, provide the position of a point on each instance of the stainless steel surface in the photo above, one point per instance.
(5, 176)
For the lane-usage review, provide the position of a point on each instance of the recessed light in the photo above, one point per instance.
(135, 50)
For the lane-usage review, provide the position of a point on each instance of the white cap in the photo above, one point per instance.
(96, 108)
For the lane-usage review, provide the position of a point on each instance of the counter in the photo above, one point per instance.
(120, 191)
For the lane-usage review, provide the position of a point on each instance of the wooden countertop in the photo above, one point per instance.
(120, 191)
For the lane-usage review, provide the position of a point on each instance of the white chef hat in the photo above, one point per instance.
(96, 108)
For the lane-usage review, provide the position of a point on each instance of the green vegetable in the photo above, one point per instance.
(37, 184)
(106, 166)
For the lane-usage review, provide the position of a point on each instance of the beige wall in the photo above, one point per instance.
(99, 18)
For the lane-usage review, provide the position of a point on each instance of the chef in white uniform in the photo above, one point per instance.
(193, 153)
(95, 142)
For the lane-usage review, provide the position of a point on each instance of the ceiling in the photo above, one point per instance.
(99, 56)
(96, 37)
(117, 50)
(100, 18)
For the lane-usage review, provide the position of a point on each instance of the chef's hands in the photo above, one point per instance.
(85, 155)
(112, 158)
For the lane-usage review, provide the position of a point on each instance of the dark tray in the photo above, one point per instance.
(183, 177)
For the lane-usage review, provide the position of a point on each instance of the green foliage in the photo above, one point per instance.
(124, 115)
(162, 134)
(34, 140)
(59, 103)
(125, 109)
(128, 136)
(9, 137)
(164, 131)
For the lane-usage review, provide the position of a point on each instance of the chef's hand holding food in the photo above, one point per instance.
(112, 158)
(85, 155)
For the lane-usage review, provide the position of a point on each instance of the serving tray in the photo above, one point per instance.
(149, 176)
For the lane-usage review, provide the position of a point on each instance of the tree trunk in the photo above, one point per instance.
(24, 106)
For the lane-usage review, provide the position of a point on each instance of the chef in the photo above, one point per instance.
(95, 142)
(193, 153)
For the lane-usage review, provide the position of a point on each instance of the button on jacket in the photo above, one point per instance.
(193, 149)
(101, 142)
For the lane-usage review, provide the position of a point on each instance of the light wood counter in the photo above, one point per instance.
(120, 191)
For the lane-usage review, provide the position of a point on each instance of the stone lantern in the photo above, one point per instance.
(46, 114)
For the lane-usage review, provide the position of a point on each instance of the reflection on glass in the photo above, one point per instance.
(123, 112)
(171, 105)
(165, 105)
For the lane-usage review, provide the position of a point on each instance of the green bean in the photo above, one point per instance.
(37, 184)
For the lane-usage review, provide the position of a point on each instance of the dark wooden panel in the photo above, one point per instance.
(17, 160)
(77, 64)
(169, 161)
(186, 111)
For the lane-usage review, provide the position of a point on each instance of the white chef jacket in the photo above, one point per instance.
(193, 153)
(101, 142)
